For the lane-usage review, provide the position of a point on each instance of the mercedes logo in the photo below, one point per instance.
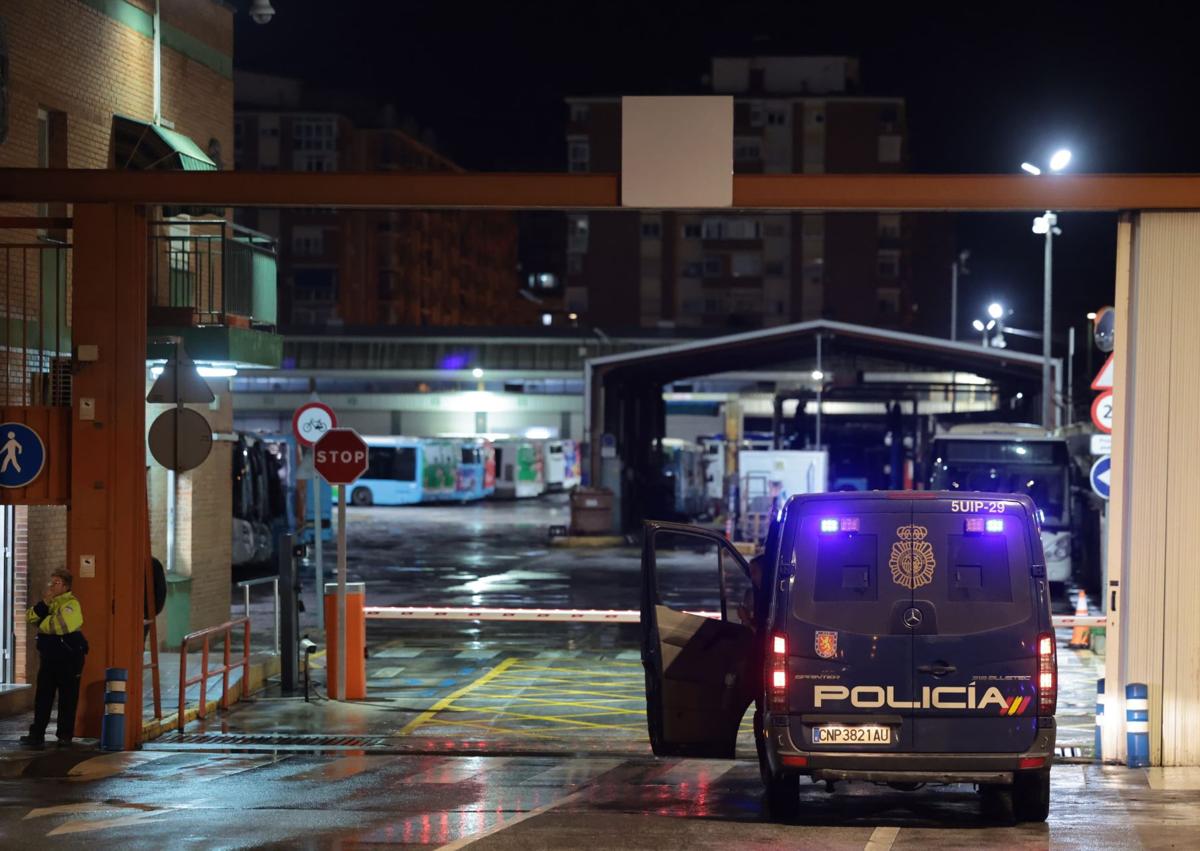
(913, 618)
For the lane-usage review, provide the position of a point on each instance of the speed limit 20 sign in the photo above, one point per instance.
(1102, 412)
(311, 421)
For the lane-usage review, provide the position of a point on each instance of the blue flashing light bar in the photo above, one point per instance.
(995, 524)
(829, 524)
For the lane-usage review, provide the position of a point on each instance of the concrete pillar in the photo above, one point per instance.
(1154, 513)
(107, 529)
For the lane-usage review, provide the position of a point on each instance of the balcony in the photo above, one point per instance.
(215, 284)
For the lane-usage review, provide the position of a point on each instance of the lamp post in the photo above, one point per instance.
(1048, 224)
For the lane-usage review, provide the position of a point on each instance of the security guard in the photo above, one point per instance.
(61, 647)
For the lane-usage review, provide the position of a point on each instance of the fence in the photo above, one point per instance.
(202, 678)
(210, 273)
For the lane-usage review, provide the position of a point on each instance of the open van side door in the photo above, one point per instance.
(703, 666)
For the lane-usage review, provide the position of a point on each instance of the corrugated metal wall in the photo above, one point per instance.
(1156, 512)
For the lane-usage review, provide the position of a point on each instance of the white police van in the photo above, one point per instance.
(896, 637)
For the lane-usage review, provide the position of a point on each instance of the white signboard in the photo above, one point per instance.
(782, 472)
(1101, 444)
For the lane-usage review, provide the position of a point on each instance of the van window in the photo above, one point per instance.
(986, 582)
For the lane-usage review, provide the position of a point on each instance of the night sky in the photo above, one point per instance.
(987, 87)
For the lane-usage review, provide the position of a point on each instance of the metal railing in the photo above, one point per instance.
(35, 325)
(202, 678)
(211, 272)
(273, 581)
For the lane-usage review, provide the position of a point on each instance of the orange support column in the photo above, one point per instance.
(356, 641)
(107, 519)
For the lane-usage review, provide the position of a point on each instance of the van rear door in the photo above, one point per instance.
(850, 649)
(975, 651)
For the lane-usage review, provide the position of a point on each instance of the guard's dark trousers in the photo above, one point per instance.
(61, 676)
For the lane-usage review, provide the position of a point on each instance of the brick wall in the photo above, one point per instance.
(41, 547)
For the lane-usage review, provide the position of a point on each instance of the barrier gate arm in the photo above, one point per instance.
(480, 613)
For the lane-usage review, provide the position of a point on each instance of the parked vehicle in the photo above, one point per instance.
(901, 638)
(520, 472)
(560, 459)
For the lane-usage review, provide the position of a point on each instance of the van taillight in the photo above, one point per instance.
(1047, 674)
(777, 679)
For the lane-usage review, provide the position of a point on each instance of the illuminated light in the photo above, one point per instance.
(216, 371)
(795, 761)
(973, 524)
(1046, 645)
(780, 645)
(1092, 315)
(850, 524)
(1046, 680)
(156, 371)
(1031, 169)
(1031, 762)
(572, 316)
(977, 325)
(991, 324)
(1060, 160)
(829, 524)
(995, 524)
(537, 433)
(779, 679)
(818, 375)
(547, 318)
(995, 310)
(477, 372)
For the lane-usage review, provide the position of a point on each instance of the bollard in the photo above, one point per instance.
(1099, 720)
(1137, 725)
(112, 726)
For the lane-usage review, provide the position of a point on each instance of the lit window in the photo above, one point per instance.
(888, 264)
(889, 225)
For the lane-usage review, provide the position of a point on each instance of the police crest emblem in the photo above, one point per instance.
(825, 644)
(912, 561)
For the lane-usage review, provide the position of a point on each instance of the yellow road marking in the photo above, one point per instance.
(491, 728)
(588, 672)
(454, 695)
(534, 701)
(551, 718)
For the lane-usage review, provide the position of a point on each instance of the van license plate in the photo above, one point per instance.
(837, 734)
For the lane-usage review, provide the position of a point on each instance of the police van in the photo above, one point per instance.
(892, 637)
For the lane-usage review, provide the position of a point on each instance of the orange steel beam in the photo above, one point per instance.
(107, 521)
(600, 191)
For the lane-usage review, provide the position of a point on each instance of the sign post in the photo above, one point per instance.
(340, 457)
(310, 421)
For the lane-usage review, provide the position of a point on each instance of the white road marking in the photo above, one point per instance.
(468, 840)
(84, 826)
(882, 838)
(99, 767)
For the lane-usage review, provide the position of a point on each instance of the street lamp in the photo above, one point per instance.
(979, 326)
(1048, 225)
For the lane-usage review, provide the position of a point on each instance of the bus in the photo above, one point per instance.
(560, 460)
(520, 472)
(1018, 459)
(476, 478)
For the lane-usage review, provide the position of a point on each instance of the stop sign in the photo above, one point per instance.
(341, 456)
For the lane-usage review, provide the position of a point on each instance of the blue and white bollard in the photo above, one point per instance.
(1137, 725)
(1100, 720)
(112, 727)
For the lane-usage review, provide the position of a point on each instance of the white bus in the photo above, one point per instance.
(1019, 459)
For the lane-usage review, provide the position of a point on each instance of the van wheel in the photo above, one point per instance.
(783, 797)
(361, 496)
(1031, 795)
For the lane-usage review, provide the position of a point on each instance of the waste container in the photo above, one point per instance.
(591, 511)
(356, 641)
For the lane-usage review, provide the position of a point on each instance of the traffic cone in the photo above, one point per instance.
(1081, 636)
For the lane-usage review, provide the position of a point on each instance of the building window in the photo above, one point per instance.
(315, 162)
(713, 266)
(579, 155)
(651, 230)
(777, 118)
(577, 233)
(314, 133)
(888, 264)
(889, 301)
(577, 299)
(757, 115)
(740, 228)
(775, 268)
(315, 284)
(773, 229)
(544, 280)
(889, 226)
(574, 264)
(745, 264)
(308, 241)
(889, 149)
(747, 149)
(580, 113)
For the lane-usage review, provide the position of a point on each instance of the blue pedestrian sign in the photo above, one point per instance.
(1101, 476)
(22, 455)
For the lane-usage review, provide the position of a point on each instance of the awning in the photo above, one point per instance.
(140, 146)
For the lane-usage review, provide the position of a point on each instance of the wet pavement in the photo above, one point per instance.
(522, 735)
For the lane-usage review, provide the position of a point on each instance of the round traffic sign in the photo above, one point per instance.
(1101, 476)
(22, 455)
(1102, 412)
(1104, 329)
(311, 421)
(180, 439)
(340, 456)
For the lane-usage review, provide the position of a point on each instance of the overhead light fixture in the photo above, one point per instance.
(477, 372)
(547, 319)
(216, 371)
(817, 375)
(1031, 168)
(1060, 159)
